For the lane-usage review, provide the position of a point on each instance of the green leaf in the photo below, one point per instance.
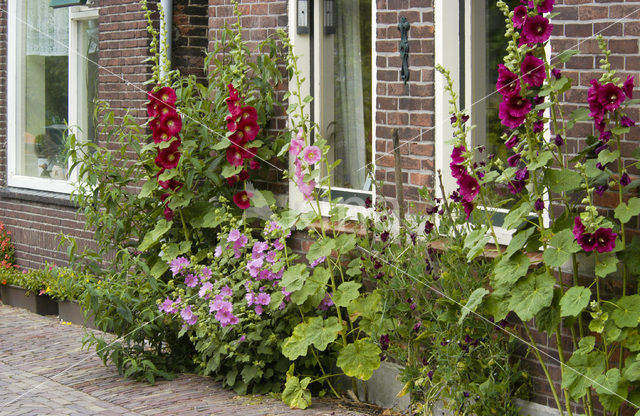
(517, 215)
(159, 268)
(541, 160)
(173, 250)
(567, 54)
(359, 359)
(519, 240)
(209, 220)
(632, 342)
(624, 212)
(631, 372)
(580, 370)
(475, 299)
(607, 264)
(560, 248)
(607, 156)
(296, 394)
(262, 199)
(294, 277)
(306, 218)
(368, 309)
(152, 237)
(314, 331)
(531, 294)
(346, 242)
(314, 286)
(321, 248)
(574, 301)
(581, 114)
(228, 170)
(620, 130)
(475, 242)
(631, 255)
(148, 188)
(346, 292)
(627, 314)
(562, 180)
(547, 319)
(611, 389)
(510, 269)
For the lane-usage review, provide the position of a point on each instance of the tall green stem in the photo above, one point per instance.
(545, 369)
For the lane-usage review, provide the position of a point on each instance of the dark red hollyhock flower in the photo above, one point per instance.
(242, 199)
(235, 155)
(605, 240)
(469, 187)
(610, 96)
(428, 227)
(248, 114)
(559, 140)
(536, 29)
(167, 95)
(163, 98)
(512, 142)
(170, 184)
(601, 189)
(232, 124)
(508, 83)
(627, 122)
(456, 154)
(519, 16)
(464, 118)
(169, 157)
(154, 124)
(240, 177)
(556, 73)
(587, 241)
(160, 135)
(627, 87)
(457, 170)
(172, 123)
(384, 342)
(532, 70)
(625, 179)
(453, 118)
(605, 136)
(250, 129)
(514, 159)
(168, 213)
(233, 93)
(520, 180)
(238, 138)
(538, 205)
(384, 236)
(253, 164)
(546, 6)
(538, 126)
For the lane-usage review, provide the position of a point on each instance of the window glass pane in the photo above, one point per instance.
(88, 88)
(45, 91)
(345, 101)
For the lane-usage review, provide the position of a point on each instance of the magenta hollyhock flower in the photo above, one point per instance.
(189, 317)
(519, 16)
(167, 213)
(250, 128)
(597, 110)
(311, 154)
(468, 208)
(578, 227)
(536, 29)
(520, 180)
(587, 241)
(627, 86)
(546, 6)
(627, 122)
(190, 280)
(514, 159)
(169, 157)
(538, 205)
(457, 154)
(508, 83)
(512, 142)
(469, 187)
(242, 199)
(532, 70)
(205, 289)
(555, 72)
(516, 106)
(172, 123)
(179, 264)
(601, 189)
(253, 164)
(605, 240)
(610, 96)
(317, 261)
(506, 113)
(559, 140)
(625, 179)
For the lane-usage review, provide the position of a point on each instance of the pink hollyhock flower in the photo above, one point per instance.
(317, 261)
(532, 70)
(253, 164)
(546, 6)
(250, 297)
(169, 157)
(234, 235)
(250, 129)
(263, 299)
(259, 247)
(307, 189)
(605, 240)
(242, 199)
(536, 29)
(205, 274)
(226, 318)
(271, 257)
(189, 317)
(205, 289)
(311, 154)
(299, 174)
(235, 155)
(469, 187)
(161, 134)
(254, 266)
(508, 83)
(179, 264)
(610, 96)
(191, 280)
(226, 291)
(512, 142)
(296, 145)
(172, 123)
(217, 252)
(457, 154)
(240, 242)
(259, 310)
(167, 306)
(627, 87)
(277, 244)
(519, 16)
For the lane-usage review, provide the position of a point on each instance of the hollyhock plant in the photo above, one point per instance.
(533, 72)
(457, 154)
(627, 86)
(469, 187)
(508, 83)
(169, 157)
(242, 199)
(519, 16)
(536, 29)
(172, 123)
(311, 154)
(610, 96)
(161, 134)
(546, 6)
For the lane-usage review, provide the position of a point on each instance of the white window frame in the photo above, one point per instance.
(301, 48)
(447, 49)
(15, 101)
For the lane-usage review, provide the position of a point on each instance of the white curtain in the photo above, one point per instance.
(47, 29)
(349, 112)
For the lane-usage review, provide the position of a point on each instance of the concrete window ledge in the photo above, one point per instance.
(42, 197)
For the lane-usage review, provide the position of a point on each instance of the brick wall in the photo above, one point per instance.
(190, 33)
(407, 107)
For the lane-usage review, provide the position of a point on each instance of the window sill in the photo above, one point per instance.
(42, 197)
(490, 251)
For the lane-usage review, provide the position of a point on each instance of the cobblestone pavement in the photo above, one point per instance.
(34, 350)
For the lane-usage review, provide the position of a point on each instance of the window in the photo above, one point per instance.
(470, 42)
(336, 58)
(52, 72)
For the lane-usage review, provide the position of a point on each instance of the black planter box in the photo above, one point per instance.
(70, 311)
(21, 298)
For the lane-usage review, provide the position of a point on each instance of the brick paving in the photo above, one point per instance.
(35, 349)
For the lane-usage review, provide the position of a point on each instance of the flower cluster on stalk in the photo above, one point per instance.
(165, 124)
(305, 157)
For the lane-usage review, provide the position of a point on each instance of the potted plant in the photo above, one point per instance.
(68, 288)
(27, 289)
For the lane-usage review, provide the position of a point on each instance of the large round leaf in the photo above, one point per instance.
(359, 359)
